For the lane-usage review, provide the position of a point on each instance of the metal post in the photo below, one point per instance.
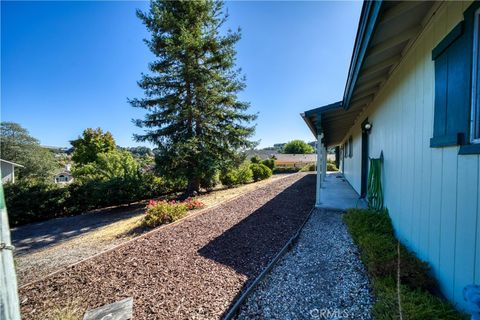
(319, 170)
(9, 306)
(324, 150)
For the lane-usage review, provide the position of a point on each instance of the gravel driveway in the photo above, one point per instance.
(320, 278)
(40, 235)
(191, 270)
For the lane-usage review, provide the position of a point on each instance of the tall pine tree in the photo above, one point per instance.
(193, 113)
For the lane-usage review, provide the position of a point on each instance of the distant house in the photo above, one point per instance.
(294, 160)
(263, 154)
(412, 100)
(284, 159)
(64, 176)
(8, 170)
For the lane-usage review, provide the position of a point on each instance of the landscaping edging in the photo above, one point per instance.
(194, 270)
(194, 214)
(232, 312)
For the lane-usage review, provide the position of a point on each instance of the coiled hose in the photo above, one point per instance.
(374, 185)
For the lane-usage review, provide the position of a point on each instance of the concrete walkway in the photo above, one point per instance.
(338, 194)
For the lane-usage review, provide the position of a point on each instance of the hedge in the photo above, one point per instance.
(27, 203)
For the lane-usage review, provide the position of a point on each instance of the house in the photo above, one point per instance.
(64, 176)
(294, 160)
(284, 159)
(412, 99)
(8, 170)
(262, 154)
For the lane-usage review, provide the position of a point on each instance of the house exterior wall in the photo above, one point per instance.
(352, 166)
(432, 194)
(7, 172)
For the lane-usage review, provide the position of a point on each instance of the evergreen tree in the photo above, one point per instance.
(193, 116)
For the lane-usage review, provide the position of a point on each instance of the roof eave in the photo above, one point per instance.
(366, 28)
(12, 163)
(309, 124)
(308, 115)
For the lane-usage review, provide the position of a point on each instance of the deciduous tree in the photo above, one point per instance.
(108, 165)
(298, 147)
(90, 145)
(18, 146)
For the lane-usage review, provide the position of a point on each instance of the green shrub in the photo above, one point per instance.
(416, 304)
(373, 233)
(309, 167)
(331, 166)
(163, 212)
(255, 159)
(260, 171)
(229, 178)
(279, 170)
(27, 202)
(361, 222)
(244, 174)
(176, 184)
(269, 163)
(210, 180)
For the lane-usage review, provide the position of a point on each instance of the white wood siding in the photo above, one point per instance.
(7, 172)
(432, 194)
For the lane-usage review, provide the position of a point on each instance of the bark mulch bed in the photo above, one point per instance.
(191, 270)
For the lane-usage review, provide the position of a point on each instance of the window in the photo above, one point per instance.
(457, 86)
(475, 113)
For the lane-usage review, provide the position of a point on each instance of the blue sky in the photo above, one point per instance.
(66, 66)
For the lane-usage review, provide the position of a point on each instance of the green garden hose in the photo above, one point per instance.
(374, 186)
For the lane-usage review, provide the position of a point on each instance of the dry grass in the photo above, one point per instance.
(71, 311)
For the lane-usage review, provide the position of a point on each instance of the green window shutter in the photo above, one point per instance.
(453, 61)
(453, 84)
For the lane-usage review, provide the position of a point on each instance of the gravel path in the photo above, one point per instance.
(320, 278)
(191, 270)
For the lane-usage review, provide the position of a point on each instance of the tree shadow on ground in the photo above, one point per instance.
(39, 235)
(251, 244)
